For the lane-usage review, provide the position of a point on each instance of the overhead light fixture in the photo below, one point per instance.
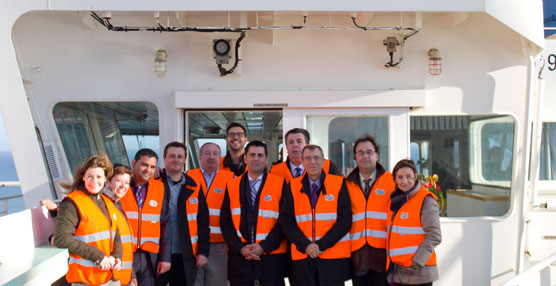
(221, 49)
(435, 62)
(160, 63)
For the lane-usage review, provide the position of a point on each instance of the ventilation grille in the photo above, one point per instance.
(52, 159)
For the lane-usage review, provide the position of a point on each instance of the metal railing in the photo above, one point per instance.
(5, 199)
(542, 268)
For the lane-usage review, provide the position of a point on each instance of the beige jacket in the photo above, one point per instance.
(419, 273)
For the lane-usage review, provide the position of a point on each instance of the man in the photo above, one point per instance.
(296, 140)
(257, 246)
(316, 217)
(369, 188)
(186, 254)
(236, 137)
(213, 180)
(146, 207)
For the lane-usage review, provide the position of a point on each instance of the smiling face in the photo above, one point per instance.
(94, 180)
(119, 184)
(174, 160)
(405, 179)
(236, 138)
(294, 144)
(143, 169)
(210, 157)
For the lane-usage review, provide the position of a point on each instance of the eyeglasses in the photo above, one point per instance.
(234, 134)
(311, 158)
(367, 152)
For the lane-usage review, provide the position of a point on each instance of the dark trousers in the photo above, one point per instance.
(424, 284)
(371, 278)
(176, 274)
(274, 282)
(143, 268)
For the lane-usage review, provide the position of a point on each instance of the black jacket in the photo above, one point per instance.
(271, 266)
(329, 271)
(203, 230)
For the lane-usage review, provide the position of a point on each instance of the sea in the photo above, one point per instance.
(9, 174)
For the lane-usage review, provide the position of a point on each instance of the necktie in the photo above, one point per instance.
(254, 191)
(367, 189)
(314, 196)
(139, 195)
(297, 172)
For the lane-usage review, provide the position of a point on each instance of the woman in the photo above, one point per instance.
(118, 185)
(413, 229)
(87, 226)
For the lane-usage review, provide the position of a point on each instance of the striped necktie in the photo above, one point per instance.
(297, 172)
(254, 190)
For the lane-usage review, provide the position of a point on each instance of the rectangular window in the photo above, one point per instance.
(547, 170)
(473, 158)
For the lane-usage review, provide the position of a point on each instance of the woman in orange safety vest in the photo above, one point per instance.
(118, 183)
(413, 229)
(87, 225)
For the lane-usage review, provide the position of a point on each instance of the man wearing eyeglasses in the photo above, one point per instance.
(257, 249)
(369, 188)
(316, 217)
(296, 139)
(236, 137)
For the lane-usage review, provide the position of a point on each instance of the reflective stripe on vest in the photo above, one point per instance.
(326, 214)
(214, 197)
(145, 223)
(96, 230)
(405, 231)
(268, 208)
(369, 215)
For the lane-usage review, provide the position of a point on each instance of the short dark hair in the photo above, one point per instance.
(145, 152)
(235, 124)
(312, 147)
(405, 163)
(256, 143)
(298, 131)
(175, 144)
(365, 138)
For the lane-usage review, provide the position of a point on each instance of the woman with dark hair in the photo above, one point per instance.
(118, 185)
(87, 226)
(413, 229)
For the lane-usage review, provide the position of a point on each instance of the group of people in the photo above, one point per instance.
(232, 221)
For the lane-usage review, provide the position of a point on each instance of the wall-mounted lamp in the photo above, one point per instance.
(221, 49)
(435, 62)
(160, 62)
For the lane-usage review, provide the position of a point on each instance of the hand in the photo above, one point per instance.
(248, 253)
(106, 263)
(117, 264)
(201, 260)
(133, 282)
(163, 267)
(414, 267)
(158, 172)
(256, 249)
(50, 205)
(313, 250)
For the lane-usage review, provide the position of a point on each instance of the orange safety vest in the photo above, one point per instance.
(316, 225)
(191, 210)
(214, 196)
(94, 229)
(282, 170)
(145, 222)
(269, 206)
(369, 216)
(126, 235)
(405, 231)
(221, 166)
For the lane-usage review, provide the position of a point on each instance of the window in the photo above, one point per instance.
(117, 129)
(547, 170)
(336, 136)
(472, 156)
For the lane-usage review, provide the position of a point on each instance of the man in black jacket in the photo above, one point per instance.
(257, 247)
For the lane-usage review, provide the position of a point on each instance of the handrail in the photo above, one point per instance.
(5, 199)
(537, 268)
(10, 184)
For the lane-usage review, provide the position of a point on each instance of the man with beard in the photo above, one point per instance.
(236, 137)
(369, 188)
(213, 181)
(296, 139)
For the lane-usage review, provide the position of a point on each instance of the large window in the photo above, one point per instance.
(547, 170)
(336, 134)
(117, 129)
(473, 158)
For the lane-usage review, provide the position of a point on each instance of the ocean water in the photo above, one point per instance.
(9, 174)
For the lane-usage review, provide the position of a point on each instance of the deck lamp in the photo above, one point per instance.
(160, 63)
(435, 62)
